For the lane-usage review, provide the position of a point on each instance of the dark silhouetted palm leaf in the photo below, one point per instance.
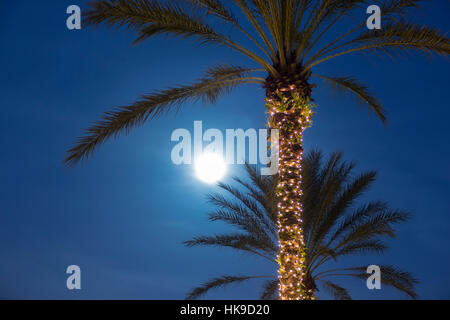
(334, 225)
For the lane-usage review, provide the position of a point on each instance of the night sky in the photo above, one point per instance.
(122, 215)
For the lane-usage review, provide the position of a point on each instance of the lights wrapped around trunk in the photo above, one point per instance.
(290, 112)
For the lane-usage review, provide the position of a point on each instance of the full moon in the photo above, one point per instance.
(210, 167)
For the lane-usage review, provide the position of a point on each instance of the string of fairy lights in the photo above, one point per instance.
(291, 114)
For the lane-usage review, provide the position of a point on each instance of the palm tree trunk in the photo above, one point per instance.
(290, 112)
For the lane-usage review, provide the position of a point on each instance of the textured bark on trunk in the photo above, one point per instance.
(290, 111)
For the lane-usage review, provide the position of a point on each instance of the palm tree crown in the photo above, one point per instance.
(334, 226)
(291, 37)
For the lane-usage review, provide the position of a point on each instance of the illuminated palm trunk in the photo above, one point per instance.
(290, 112)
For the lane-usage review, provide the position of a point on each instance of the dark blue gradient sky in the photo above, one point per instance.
(122, 216)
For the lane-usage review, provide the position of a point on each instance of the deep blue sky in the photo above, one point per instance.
(123, 215)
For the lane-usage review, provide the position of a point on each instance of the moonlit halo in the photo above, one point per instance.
(210, 167)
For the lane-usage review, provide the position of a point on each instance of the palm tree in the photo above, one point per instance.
(285, 40)
(334, 226)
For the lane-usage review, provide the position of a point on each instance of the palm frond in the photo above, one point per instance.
(215, 283)
(219, 81)
(266, 200)
(398, 7)
(361, 247)
(261, 189)
(405, 35)
(236, 241)
(338, 292)
(356, 89)
(381, 224)
(224, 71)
(331, 178)
(391, 9)
(334, 11)
(311, 166)
(217, 9)
(134, 14)
(256, 24)
(270, 289)
(152, 17)
(256, 209)
(337, 208)
(399, 36)
(324, 254)
(362, 213)
(264, 183)
(269, 14)
(323, 12)
(391, 276)
(239, 216)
